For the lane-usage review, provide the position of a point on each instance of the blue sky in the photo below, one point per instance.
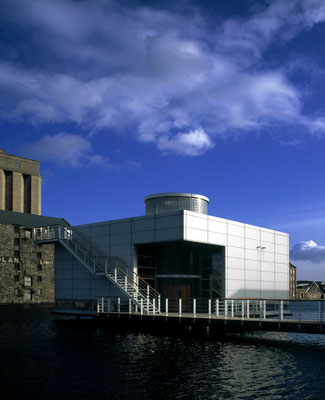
(121, 99)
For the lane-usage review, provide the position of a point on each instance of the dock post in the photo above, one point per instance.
(226, 309)
(217, 307)
(232, 308)
(153, 308)
(180, 308)
(130, 308)
(194, 308)
(299, 313)
(209, 309)
(281, 310)
(119, 306)
(166, 309)
(159, 305)
(141, 307)
(247, 308)
(264, 309)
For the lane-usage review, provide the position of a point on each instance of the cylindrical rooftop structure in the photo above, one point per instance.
(165, 202)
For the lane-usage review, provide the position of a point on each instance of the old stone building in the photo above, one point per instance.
(26, 268)
(292, 281)
(20, 184)
(310, 290)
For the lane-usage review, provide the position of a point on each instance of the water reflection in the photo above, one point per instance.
(45, 358)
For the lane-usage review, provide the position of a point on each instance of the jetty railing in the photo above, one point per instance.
(275, 309)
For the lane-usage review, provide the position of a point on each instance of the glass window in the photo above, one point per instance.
(28, 281)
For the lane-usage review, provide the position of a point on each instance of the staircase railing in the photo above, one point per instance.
(115, 269)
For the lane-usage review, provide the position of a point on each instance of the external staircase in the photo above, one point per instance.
(113, 268)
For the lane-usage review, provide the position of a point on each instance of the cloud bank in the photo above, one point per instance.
(308, 251)
(65, 148)
(167, 76)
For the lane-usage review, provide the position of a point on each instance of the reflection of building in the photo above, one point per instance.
(182, 252)
(292, 281)
(20, 184)
(310, 290)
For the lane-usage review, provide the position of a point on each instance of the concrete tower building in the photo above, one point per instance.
(20, 184)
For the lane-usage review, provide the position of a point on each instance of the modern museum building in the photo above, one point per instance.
(179, 250)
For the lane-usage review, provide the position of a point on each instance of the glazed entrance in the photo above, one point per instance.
(182, 269)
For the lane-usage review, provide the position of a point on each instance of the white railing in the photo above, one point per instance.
(96, 262)
(263, 309)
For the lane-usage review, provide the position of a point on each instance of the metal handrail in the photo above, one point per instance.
(63, 233)
(91, 246)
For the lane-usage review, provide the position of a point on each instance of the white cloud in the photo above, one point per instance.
(308, 251)
(65, 148)
(192, 143)
(154, 72)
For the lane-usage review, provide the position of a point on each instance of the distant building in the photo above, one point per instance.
(20, 184)
(310, 290)
(292, 281)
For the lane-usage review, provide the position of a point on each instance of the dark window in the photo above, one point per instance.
(17, 253)
(39, 255)
(16, 278)
(17, 267)
(17, 292)
(39, 267)
(16, 230)
(16, 242)
(39, 279)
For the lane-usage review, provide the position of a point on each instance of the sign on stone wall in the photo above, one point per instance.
(9, 260)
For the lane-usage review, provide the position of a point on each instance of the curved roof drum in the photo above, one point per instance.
(165, 202)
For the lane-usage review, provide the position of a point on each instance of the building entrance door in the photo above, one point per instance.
(176, 292)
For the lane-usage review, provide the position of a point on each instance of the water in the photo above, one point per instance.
(43, 358)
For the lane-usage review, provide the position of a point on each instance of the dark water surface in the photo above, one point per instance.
(43, 358)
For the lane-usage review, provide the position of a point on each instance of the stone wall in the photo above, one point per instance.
(26, 268)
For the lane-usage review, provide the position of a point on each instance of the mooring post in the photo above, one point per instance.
(247, 308)
(320, 312)
(217, 307)
(180, 308)
(141, 307)
(130, 308)
(194, 308)
(209, 309)
(159, 305)
(281, 310)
